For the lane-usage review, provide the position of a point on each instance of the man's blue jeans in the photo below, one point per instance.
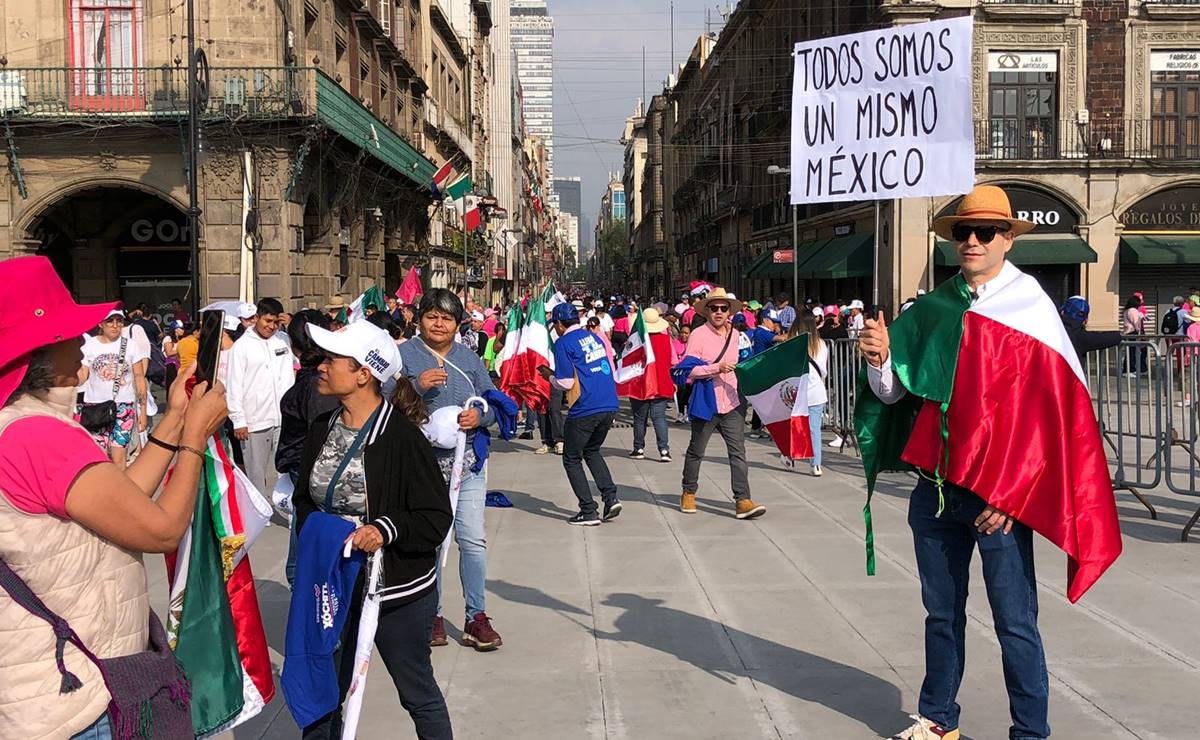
(471, 537)
(944, 546)
(656, 410)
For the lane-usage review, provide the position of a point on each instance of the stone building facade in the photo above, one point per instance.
(318, 144)
(1088, 111)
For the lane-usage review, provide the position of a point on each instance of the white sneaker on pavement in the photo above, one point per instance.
(544, 449)
(836, 443)
(923, 729)
(816, 471)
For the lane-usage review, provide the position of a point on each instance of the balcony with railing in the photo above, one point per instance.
(154, 92)
(1160, 139)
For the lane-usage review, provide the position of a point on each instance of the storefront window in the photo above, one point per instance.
(1022, 105)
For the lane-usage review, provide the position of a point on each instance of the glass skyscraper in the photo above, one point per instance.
(533, 40)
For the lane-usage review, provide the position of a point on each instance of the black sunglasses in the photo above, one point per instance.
(719, 308)
(984, 234)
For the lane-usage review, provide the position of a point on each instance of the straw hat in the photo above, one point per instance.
(336, 303)
(1194, 314)
(654, 321)
(718, 294)
(985, 202)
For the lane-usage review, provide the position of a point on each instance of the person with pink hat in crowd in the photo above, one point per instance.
(489, 322)
(73, 527)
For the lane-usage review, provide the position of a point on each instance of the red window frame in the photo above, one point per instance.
(105, 88)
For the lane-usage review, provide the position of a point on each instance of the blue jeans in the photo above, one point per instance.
(814, 430)
(102, 730)
(471, 537)
(656, 410)
(944, 546)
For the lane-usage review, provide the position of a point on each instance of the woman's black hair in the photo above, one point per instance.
(309, 354)
(441, 299)
(383, 321)
(1133, 302)
(39, 374)
(593, 322)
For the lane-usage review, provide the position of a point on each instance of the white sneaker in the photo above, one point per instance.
(816, 471)
(544, 449)
(558, 448)
(787, 461)
(836, 443)
(923, 729)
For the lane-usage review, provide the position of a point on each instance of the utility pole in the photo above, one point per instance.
(672, 36)
(194, 102)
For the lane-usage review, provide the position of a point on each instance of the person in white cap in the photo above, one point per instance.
(369, 463)
(854, 324)
(114, 370)
(260, 372)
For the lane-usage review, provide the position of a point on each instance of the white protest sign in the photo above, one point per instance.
(884, 114)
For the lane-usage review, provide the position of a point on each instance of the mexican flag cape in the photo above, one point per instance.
(214, 625)
(997, 403)
(636, 358)
(776, 384)
(532, 352)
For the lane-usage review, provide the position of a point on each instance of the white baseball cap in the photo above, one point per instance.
(246, 310)
(477, 316)
(856, 304)
(818, 312)
(371, 346)
(598, 303)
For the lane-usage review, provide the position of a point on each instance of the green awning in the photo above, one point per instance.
(844, 257)
(758, 264)
(342, 113)
(1160, 249)
(1065, 249)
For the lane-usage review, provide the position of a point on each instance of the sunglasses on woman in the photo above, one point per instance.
(983, 234)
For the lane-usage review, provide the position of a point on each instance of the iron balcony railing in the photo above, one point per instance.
(1044, 138)
(149, 92)
(1028, 2)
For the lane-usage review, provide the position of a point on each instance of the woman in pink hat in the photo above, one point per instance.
(73, 525)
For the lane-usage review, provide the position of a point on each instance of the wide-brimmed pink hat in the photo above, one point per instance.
(37, 311)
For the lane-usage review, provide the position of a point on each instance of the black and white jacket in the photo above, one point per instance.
(407, 499)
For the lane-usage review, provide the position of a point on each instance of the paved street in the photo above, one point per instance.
(662, 625)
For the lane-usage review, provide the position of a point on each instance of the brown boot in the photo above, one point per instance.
(438, 638)
(747, 509)
(687, 503)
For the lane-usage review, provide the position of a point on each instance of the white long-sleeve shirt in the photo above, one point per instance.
(260, 372)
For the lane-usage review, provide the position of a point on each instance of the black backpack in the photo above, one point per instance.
(1170, 322)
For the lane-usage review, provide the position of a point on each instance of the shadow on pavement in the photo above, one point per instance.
(846, 690)
(538, 506)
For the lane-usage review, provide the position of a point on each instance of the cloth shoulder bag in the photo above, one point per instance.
(151, 696)
(100, 417)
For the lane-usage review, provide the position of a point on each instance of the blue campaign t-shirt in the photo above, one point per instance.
(580, 354)
(762, 339)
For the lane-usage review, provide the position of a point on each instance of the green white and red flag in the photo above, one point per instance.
(998, 404)
(509, 371)
(635, 360)
(532, 353)
(776, 384)
(214, 624)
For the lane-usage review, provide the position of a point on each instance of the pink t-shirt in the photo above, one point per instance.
(40, 457)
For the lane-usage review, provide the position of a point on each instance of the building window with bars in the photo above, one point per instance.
(105, 49)
(1022, 105)
(1175, 104)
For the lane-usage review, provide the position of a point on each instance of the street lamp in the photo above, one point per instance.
(775, 169)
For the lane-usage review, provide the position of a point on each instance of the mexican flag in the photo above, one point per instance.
(440, 178)
(213, 624)
(534, 352)
(636, 357)
(997, 403)
(512, 344)
(776, 384)
(371, 297)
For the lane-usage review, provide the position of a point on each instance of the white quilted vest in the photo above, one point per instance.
(99, 588)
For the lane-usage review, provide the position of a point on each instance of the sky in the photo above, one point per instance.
(598, 77)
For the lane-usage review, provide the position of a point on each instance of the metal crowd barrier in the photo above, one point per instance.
(1146, 393)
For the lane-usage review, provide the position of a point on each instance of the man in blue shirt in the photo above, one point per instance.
(583, 367)
(766, 334)
(787, 314)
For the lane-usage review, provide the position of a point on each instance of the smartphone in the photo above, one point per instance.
(212, 329)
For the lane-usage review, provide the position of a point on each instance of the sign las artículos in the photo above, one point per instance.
(1022, 61)
(883, 114)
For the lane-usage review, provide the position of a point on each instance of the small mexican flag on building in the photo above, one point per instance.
(776, 384)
